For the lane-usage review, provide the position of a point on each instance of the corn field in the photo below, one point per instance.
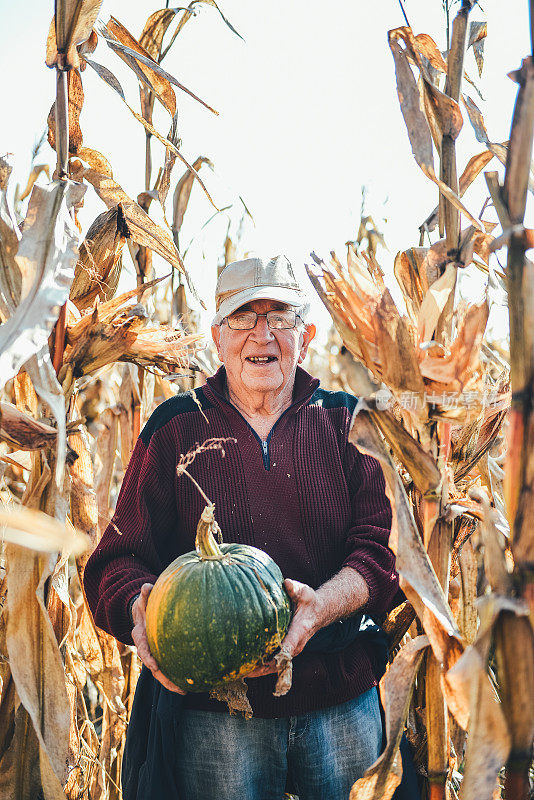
(447, 411)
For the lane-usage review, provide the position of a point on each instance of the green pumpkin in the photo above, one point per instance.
(216, 612)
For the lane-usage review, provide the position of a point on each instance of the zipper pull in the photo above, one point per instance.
(264, 447)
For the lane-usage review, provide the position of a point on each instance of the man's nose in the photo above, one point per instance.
(261, 331)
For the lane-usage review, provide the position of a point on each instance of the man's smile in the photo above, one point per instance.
(262, 360)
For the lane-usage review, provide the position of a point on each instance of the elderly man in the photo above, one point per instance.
(293, 486)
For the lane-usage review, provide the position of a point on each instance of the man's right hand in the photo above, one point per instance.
(141, 642)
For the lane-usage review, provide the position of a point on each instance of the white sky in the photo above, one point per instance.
(308, 113)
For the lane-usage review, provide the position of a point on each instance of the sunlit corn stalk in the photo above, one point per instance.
(58, 661)
(440, 542)
(514, 634)
(415, 356)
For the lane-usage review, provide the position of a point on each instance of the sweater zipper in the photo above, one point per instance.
(265, 451)
(264, 444)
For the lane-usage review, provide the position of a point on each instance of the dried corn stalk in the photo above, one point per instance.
(435, 408)
(66, 688)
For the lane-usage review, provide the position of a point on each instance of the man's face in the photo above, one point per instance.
(284, 349)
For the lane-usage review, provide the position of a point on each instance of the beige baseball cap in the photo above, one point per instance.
(256, 279)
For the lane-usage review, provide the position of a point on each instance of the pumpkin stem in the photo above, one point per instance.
(205, 543)
(202, 492)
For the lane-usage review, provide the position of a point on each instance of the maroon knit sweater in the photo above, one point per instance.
(307, 497)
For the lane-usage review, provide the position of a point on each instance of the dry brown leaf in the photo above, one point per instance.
(407, 270)
(182, 194)
(37, 531)
(163, 89)
(467, 613)
(400, 369)
(443, 113)
(112, 81)
(155, 28)
(474, 167)
(434, 302)
(409, 98)
(170, 159)
(140, 58)
(473, 440)
(442, 110)
(46, 258)
(495, 566)
(477, 120)
(488, 743)
(429, 49)
(96, 160)
(396, 687)
(100, 259)
(417, 576)
(112, 333)
(34, 174)
(71, 28)
(83, 503)
(24, 431)
(106, 448)
(477, 35)
(19, 458)
(129, 400)
(36, 664)
(10, 277)
(455, 368)
(141, 228)
(422, 467)
(22, 751)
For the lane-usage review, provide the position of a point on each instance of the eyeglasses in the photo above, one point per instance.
(276, 320)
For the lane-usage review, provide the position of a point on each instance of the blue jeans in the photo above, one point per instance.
(226, 757)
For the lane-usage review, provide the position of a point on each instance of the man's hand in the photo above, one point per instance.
(306, 620)
(339, 597)
(141, 641)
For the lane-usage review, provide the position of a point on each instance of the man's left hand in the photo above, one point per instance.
(306, 620)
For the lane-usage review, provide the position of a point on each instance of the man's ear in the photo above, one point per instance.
(307, 336)
(216, 336)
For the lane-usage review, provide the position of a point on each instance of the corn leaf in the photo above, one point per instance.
(112, 81)
(417, 576)
(477, 36)
(71, 27)
(442, 112)
(434, 302)
(40, 532)
(188, 13)
(37, 170)
(100, 259)
(118, 47)
(96, 160)
(141, 229)
(488, 743)
(182, 194)
(10, 277)
(154, 30)
(46, 258)
(158, 85)
(36, 665)
(170, 160)
(396, 687)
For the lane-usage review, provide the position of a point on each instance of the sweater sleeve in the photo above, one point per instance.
(367, 548)
(128, 553)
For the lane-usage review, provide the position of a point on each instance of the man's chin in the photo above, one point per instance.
(263, 383)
